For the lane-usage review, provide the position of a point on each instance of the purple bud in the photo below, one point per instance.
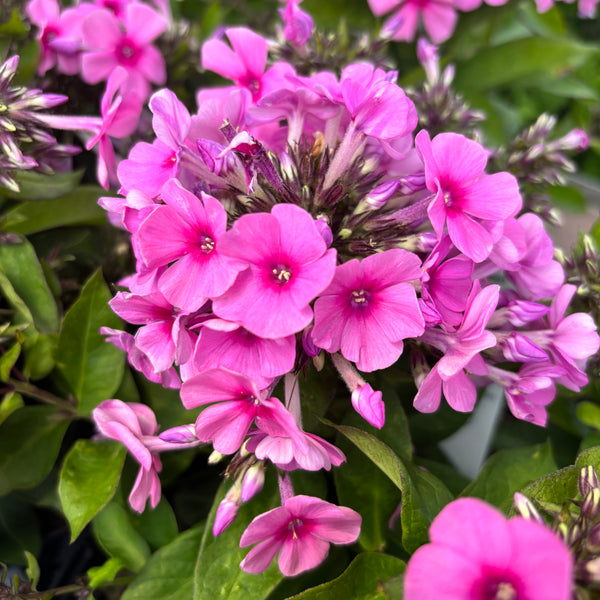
(576, 140)
(588, 480)
(307, 343)
(379, 196)
(324, 229)
(428, 57)
(526, 508)
(253, 481)
(591, 504)
(369, 405)
(298, 24)
(521, 312)
(183, 434)
(226, 514)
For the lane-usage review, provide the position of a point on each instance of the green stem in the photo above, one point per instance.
(27, 389)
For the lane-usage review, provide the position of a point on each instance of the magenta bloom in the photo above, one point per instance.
(128, 43)
(238, 403)
(369, 309)
(289, 265)
(464, 195)
(185, 232)
(477, 554)
(301, 531)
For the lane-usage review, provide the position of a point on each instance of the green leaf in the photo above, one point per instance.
(19, 530)
(589, 414)
(20, 265)
(38, 352)
(8, 360)
(91, 367)
(495, 66)
(117, 536)
(14, 25)
(104, 573)
(364, 579)
(169, 573)
(567, 197)
(509, 471)
(217, 575)
(11, 402)
(158, 526)
(368, 491)
(88, 480)
(79, 207)
(423, 495)
(29, 443)
(35, 186)
(33, 570)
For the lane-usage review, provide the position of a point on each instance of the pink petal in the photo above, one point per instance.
(471, 238)
(494, 197)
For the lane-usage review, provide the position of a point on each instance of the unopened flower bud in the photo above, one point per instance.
(324, 229)
(183, 434)
(592, 570)
(369, 405)
(593, 538)
(226, 514)
(428, 57)
(591, 504)
(526, 508)
(588, 480)
(215, 458)
(307, 343)
(253, 481)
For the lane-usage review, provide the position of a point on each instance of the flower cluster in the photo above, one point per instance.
(297, 217)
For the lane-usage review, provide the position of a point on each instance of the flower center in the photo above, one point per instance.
(207, 244)
(359, 298)
(127, 52)
(293, 525)
(499, 590)
(281, 274)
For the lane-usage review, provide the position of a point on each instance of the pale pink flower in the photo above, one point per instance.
(110, 42)
(466, 199)
(135, 425)
(301, 531)
(369, 308)
(289, 265)
(477, 554)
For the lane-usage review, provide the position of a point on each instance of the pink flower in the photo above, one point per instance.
(369, 405)
(369, 309)
(238, 403)
(439, 18)
(185, 233)
(135, 425)
(110, 42)
(289, 265)
(298, 24)
(301, 531)
(464, 195)
(477, 554)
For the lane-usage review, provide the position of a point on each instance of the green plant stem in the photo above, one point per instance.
(27, 389)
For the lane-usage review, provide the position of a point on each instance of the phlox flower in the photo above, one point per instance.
(439, 18)
(110, 42)
(369, 308)
(464, 195)
(477, 554)
(298, 25)
(289, 265)
(301, 531)
(238, 403)
(135, 425)
(184, 233)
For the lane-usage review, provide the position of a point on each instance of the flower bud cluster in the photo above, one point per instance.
(577, 523)
(25, 143)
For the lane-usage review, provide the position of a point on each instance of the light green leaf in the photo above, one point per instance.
(169, 573)
(508, 471)
(88, 480)
(495, 66)
(158, 526)
(11, 402)
(104, 573)
(20, 265)
(79, 207)
(8, 360)
(423, 495)
(364, 579)
(38, 353)
(29, 443)
(217, 575)
(588, 413)
(33, 570)
(92, 368)
(117, 536)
